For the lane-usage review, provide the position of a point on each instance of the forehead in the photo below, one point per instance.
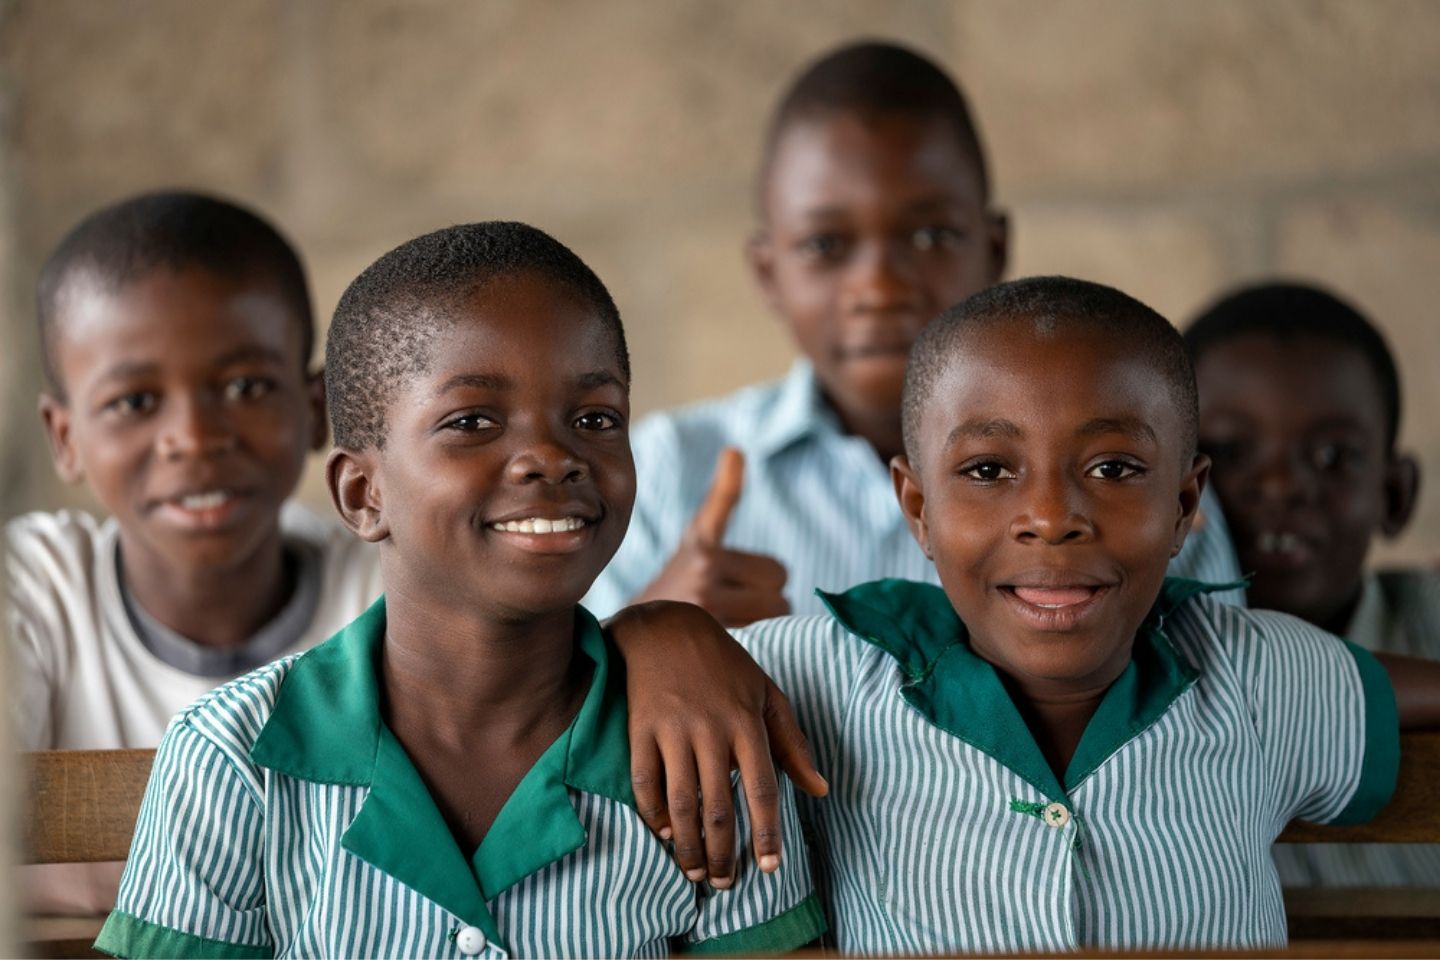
(1312, 378)
(844, 159)
(527, 327)
(1048, 384)
(172, 318)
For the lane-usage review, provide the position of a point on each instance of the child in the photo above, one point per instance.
(1299, 411)
(875, 215)
(175, 333)
(339, 803)
(1061, 748)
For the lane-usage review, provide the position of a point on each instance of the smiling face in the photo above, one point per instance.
(187, 409)
(1296, 429)
(1051, 495)
(873, 226)
(505, 481)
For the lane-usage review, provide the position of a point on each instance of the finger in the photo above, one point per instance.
(738, 568)
(762, 795)
(708, 527)
(682, 797)
(789, 746)
(649, 787)
(717, 799)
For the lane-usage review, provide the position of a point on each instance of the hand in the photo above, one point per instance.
(737, 588)
(689, 728)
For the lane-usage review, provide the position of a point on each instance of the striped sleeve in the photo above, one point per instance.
(194, 883)
(762, 913)
(1326, 717)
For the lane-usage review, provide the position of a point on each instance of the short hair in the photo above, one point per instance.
(1052, 303)
(1287, 311)
(875, 79)
(381, 335)
(173, 229)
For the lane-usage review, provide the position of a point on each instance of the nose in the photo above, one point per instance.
(194, 427)
(881, 278)
(1053, 513)
(1281, 478)
(543, 457)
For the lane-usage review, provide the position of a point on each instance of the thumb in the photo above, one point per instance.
(708, 527)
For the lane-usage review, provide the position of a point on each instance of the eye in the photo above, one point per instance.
(1335, 457)
(825, 246)
(597, 420)
(1114, 470)
(937, 237)
(248, 388)
(987, 471)
(469, 423)
(132, 404)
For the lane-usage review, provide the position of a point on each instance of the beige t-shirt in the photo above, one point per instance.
(80, 675)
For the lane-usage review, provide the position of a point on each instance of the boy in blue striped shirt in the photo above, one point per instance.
(340, 803)
(1060, 747)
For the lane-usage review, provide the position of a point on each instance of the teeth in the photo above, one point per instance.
(540, 525)
(205, 501)
(1271, 542)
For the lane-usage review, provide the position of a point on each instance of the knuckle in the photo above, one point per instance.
(764, 788)
(682, 806)
(767, 836)
(720, 862)
(687, 850)
(642, 778)
(649, 811)
(717, 814)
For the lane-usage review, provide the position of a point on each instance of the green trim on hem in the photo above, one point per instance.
(125, 935)
(1381, 766)
(790, 930)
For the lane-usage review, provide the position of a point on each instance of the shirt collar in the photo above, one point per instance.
(799, 412)
(326, 728)
(1368, 624)
(962, 694)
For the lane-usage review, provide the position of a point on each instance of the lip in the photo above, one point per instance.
(1281, 548)
(1054, 600)
(201, 509)
(552, 542)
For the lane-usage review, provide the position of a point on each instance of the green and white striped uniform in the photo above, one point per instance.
(946, 830)
(283, 818)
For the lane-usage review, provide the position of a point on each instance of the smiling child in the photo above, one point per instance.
(343, 802)
(1059, 747)
(1300, 412)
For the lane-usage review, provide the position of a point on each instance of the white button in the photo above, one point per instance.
(1056, 815)
(470, 941)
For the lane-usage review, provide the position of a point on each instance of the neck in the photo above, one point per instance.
(214, 608)
(450, 672)
(1057, 721)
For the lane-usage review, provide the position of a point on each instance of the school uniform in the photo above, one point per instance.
(1398, 612)
(946, 830)
(815, 497)
(284, 818)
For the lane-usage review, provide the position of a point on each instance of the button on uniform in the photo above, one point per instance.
(470, 941)
(1056, 814)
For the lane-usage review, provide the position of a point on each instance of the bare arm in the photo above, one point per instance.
(1417, 690)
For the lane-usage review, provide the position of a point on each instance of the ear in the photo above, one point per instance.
(1402, 492)
(350, 475)
(912, 499)
(998, 225)
(55, 415)
(760, 254)
(1188, 504)
(320, 425)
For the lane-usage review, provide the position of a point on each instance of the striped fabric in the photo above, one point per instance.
(234, 859)
(815, 498)
(945, 832)
(1399, 612)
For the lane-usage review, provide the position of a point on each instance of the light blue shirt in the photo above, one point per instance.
(816, 498)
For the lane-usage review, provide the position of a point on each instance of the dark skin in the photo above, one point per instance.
(521, 415)
(1297, 430)
(189, 411)
(870, 227)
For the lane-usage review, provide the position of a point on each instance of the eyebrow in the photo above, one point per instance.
(1129, 426)
(244, 354)
(985, 430)
(125, 370)
(492, 381)
(933, 204)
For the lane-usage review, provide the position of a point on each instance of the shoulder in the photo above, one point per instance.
(231, 716)
(816, 653)
(38, 543)
(708, 425)
(1211, 632)
(1413, 592)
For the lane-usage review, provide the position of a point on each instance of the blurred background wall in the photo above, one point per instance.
(1168, 147)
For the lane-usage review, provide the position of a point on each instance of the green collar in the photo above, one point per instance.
(326, 728)
(962, 694)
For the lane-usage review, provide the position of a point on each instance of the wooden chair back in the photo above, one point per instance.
(82, 804)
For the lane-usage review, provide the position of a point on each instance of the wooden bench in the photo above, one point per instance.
(81, 808)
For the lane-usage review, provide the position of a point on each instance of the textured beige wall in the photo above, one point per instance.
(1171, 148)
